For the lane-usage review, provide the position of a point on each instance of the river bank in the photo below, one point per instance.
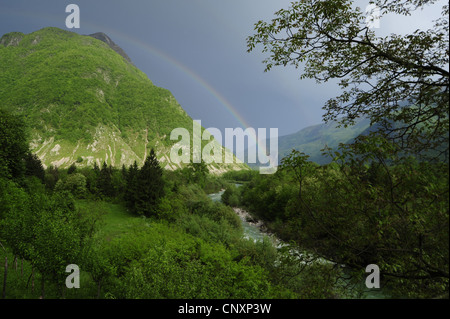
(256, 230)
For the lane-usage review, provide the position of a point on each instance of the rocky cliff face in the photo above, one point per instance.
(11, 39)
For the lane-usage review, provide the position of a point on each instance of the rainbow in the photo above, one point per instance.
(123, 38)
(195, 77)
(145, 47)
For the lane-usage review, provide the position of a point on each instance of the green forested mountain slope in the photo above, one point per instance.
(86, 103)
(313, 139)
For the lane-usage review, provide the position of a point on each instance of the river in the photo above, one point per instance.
(251, 230)
(256, 231)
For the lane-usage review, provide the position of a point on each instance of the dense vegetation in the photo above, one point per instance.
(384, 198)
(85, 103)
(135, 232)
(359, 210)
(143, 232)
(67, 84)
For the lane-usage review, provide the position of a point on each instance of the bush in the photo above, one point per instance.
(191, 270)
(231, 196)
(74, 183)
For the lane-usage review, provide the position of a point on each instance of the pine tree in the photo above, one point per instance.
(13, 145)
(150, 186)
(72, 169)
(33, 166)
(105, 181)
(131, 187)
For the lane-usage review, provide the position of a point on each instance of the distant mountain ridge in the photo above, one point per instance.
(312, 139)
(86, 103)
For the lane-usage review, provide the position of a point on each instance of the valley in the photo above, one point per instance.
(112, 186)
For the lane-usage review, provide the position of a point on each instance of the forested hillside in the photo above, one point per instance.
(85, 103)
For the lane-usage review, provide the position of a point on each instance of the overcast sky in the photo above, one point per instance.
(197, 50)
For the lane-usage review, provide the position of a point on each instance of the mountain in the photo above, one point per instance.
(104, 38)
(86, 102)
(312, 139)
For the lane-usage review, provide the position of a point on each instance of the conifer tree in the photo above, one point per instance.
(151, 186)
(131, 187)
(33, 166)
(105, 181)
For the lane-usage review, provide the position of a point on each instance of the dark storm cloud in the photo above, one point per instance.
(197, 50)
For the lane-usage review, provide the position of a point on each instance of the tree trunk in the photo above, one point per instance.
(42, 287)
(32, 278)
(99, 288)
(4, 278)
(63, 291)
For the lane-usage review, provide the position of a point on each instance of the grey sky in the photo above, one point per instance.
(197, 50)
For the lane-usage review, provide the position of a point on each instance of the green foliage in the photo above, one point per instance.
(297, 162)
(74, 184)
(72, 169)
(267, 196)
(59, 226)
(104, 181)
(194, 249)
(66, 73)
(71, 89)
(148, 187)
(31, 221)
(374, 203)
(13, 145)
(400, 82)
(184, 251)
(197, 173)
(397, 209)
(231, 196)
(132, 186)
(51, 177)
(167, 263)
(33, 167)
(240, 175)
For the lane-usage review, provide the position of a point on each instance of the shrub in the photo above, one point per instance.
(74, 183)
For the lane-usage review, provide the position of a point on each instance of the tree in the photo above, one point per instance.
(100, 265)
(72, 169)
(380, 205)
(33, 166)
(400, 82)
(74, 183)
(151, 186)
(230, 196)
(105, 181)
(14, 221)
(198, 172)
(51, 177)
(13, 145)
(297, 162)
(132, 187)
(60, 224)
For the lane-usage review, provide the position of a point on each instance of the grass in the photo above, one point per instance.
(21, 285)
(115, 219)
